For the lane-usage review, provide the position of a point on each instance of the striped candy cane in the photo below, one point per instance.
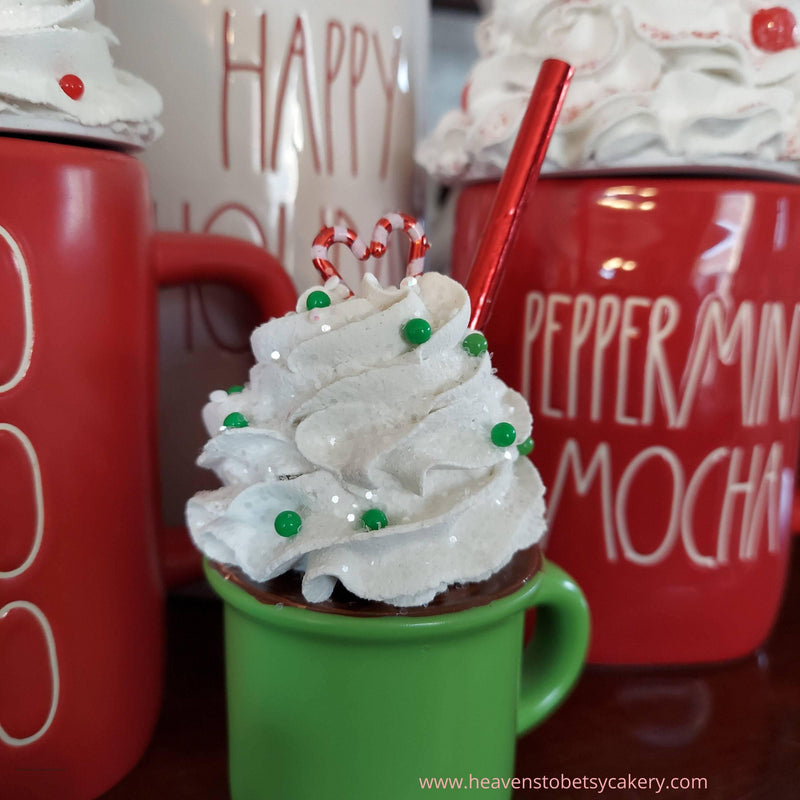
(412, 229)
(325, 239)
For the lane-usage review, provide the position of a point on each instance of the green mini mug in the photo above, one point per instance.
(353, 708)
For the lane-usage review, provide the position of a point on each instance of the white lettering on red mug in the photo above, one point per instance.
(24, 606)
(760, 342)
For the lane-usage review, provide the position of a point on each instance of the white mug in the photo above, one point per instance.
(279, 118)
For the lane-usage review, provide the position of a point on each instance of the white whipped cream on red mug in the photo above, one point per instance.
(57, 76)
(344, 417)
(684, 82)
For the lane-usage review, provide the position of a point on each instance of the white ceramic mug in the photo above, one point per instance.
(279, 118)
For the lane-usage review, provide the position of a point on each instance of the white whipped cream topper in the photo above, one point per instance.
(57, 76)
(386, 438)
(685, 82)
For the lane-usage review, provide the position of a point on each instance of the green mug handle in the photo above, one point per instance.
(554, 657)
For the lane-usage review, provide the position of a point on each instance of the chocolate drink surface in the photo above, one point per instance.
(286, 590)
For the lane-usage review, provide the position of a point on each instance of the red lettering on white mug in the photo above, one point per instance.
(333, 63)
(298, 71)
(256, 230)
(300, 50)
(389, 75)
(359, 47)
(260, 69)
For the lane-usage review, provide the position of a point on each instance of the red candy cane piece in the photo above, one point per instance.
(419, 241)
(325, 239)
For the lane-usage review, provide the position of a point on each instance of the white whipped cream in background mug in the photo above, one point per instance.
(344, 417)
(684, 82)
(57, 76)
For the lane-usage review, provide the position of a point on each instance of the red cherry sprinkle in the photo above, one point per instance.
(465, 95)
(773, 29)
(72, 86)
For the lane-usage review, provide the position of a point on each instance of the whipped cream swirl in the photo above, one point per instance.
(41, 42)
(656, 84)
(344, 416)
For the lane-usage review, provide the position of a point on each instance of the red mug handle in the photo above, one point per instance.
(183, 257)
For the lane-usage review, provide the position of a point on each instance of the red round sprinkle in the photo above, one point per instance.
(465, 96)
(72, 86)
(773, 29)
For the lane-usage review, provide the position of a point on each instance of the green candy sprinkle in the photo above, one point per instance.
(525, 448)
(374, 519)
(288, 523)
(503, 434)
(417, 331)
(237, 389)
(235, 420)
(475, 344)
(318, 299)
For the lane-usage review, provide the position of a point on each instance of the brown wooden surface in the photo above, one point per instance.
(736, 725)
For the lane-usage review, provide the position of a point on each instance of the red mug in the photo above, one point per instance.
(653, 323)
(81, 587)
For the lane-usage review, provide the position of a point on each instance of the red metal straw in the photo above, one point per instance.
(520, 175)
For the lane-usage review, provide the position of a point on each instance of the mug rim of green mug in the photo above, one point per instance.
(384, 628)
